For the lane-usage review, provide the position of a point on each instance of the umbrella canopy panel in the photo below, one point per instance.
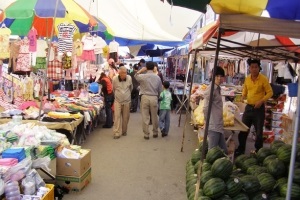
(22, 15)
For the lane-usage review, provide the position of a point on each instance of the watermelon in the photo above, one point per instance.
(278, 198)
(233, 187)
(251, 170)
(225, 197)
(248, 163)
(204, 198)
(201, 145)
(222, 168)
(268, 159)
(205, 176)
(206, 167)
(263, 153)
(240, 160)
(284, 153)
(259, 196)
(272, 195)
(276, 145)
(260, 170)
(213, 154)
(191, 171)
(276, 168)
(266, 181)
(296, 178)
(191, 181)
(241, 196)
(281, 181)
(250, 184)
(191, 191)
(196, 156)
(214, 188)
(189, 164)
(295, 192)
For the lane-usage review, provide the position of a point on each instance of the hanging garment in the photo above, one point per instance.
(65, 37)
(66, 61)
(14, 53)
(55, 70)
(4, 42)
(77, 48)
(99, 45)
(113, 46)
(41, 49)
(24, 59)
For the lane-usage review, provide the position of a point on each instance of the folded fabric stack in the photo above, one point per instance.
(11, 137)
(8, 162)
(18, 153)
(43, 151)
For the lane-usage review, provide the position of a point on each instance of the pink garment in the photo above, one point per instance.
(32, 36)
(9, 162)
(27, 104)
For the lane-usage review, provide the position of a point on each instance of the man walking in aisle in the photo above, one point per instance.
(257, 90)
(135, 91)
(122, 87)
(107, 91)
(150, 89)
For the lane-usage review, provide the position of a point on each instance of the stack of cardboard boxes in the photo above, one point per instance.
(74, 174)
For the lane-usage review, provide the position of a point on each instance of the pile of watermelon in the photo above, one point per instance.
(260, 176)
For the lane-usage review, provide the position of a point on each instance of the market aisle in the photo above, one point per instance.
(133, 168)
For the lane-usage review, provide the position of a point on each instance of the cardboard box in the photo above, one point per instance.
(75, 184)
(73, 167)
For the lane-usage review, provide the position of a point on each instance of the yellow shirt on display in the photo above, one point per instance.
(257, 90)
(4, 43)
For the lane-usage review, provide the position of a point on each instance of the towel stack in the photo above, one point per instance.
(18, 153)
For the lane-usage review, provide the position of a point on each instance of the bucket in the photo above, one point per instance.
(293, 89)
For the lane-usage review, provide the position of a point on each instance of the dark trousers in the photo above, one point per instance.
(108, 100)
(134, 100)
(255, 117)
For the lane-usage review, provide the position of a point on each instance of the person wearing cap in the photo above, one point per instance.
(150, 89)
(122, 87)
(216, 125)
(257, 90)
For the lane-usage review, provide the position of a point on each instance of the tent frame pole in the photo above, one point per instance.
(294, 146)
(211, 96)
(47, 63)
(190, 92)
(184, 92)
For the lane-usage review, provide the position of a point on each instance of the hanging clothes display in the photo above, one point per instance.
(24, 59)
(99, 45)
(4, 42)
(65, 37)
(113, 51)
(55, 70)
(14, 53)
(32, 36)
(41, 53)
(88, 47)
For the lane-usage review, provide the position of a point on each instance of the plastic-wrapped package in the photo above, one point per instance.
(24, 166)
(12, 190)
(28, 185)
(1, 187)
(42, 163)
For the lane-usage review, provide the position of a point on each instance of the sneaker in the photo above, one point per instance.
(155, 136)
(106, 126)
(116, 137)
(124, 134)
(164, 135)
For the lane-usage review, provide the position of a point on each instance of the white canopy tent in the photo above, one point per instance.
(145, 20)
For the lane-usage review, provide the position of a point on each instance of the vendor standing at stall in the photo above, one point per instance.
(257, 90)
(122, 87)
(216, 124)
(107, 91)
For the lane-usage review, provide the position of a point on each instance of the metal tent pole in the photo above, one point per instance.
(186, 115)
(208, 113)
(47, 63)
(184, 92)
(294, 147)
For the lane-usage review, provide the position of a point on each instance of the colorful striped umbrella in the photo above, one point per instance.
(280, 9)
(21, 15)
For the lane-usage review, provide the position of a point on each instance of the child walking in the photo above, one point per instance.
(165, 99)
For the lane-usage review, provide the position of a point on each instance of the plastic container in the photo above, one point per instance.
(50, 194)
(293, 89)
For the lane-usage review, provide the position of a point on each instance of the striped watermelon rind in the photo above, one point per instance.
(284, 153)
(205, 176)
(263, 153)
(266, 181)
(248, 163)
(214, 188)
(295, 192)
(233, 186)
(241, 196)
(250, 184)
(269, 159)
(222, 168)
(277, 168)
(213, 154)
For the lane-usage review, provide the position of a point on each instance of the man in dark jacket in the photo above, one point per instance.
(135, 90)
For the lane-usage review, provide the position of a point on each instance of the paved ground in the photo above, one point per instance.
(133, 168)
